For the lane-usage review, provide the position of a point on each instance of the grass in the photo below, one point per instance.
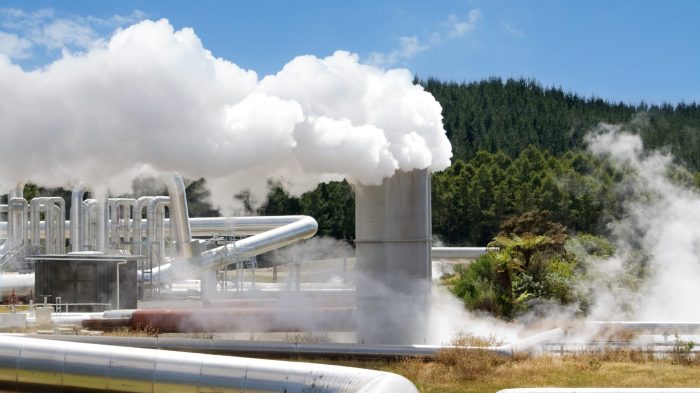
(461, 371)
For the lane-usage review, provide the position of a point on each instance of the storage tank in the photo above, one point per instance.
(393, 274)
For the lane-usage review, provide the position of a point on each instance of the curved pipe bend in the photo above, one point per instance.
(32, 363)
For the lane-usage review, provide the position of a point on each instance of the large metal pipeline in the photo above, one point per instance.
(531, 344)
(120, 219)
(178, 212)
(155, 214)
(30, 364)
(205, 226)
(457, 252)
(53, 236)
(601, 390)
(304, 228)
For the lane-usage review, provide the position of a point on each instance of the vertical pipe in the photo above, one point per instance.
(179, 216)
(102, 221)
(125, 208)
(76, 202)
(15, 226)
(137, 224)
(34, 221)
(17, 208)
(17, 192)
(113, 222)
(88, 224)
(152, 233)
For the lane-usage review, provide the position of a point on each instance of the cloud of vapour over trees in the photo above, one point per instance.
(655, 271)
(154, 99)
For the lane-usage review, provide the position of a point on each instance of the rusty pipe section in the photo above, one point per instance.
(281, 319)
(30, 364)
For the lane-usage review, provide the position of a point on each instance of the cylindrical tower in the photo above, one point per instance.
(393, 230)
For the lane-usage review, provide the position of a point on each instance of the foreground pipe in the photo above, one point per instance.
(29, 364)
(601, 390)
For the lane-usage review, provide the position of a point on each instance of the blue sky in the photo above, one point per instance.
(617, 50)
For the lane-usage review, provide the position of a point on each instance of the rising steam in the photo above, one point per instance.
(661, 221)
(154, 99)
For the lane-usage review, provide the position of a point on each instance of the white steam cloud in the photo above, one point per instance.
(154, 99)
(661, 218)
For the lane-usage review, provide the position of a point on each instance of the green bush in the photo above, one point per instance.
(524, 272)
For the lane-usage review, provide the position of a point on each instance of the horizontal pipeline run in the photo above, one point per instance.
(287, 349)
(37, 365)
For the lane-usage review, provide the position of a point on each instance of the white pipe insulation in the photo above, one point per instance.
(36, 364)
(601, 390)
(530, 344)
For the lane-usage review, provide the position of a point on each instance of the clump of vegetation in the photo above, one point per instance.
(682, 353)
(533, 262)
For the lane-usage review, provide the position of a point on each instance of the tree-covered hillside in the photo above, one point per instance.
(496, 115)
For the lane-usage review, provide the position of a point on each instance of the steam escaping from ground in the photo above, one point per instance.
(654, 273)
(154, 99)
(658, 239)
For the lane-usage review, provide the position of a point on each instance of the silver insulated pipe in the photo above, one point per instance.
(186, 247)
(76, 212)
(29, 364)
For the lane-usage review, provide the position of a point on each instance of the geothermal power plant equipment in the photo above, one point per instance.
(393, 275)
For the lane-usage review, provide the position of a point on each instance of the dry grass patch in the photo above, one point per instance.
(462, 371)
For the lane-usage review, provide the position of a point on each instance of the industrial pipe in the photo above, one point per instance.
(120, 219)
(88, 224)
(290, 349)
(51, 237)
(17, 215)
(179, 216)
(457, 252)
(136, 224)
(204, 226)
(76, 213)
(654, 327)
(601, 390)
(154, 225)
(35, 364)
(102, 222)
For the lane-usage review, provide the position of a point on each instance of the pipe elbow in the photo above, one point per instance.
(388, 383)
(310, 226)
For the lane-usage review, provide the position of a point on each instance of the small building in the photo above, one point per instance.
(86, 282)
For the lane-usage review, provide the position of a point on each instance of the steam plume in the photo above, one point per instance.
(154, 99)
(661, 218)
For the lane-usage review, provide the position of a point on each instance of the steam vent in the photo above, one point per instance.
(394, 230)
